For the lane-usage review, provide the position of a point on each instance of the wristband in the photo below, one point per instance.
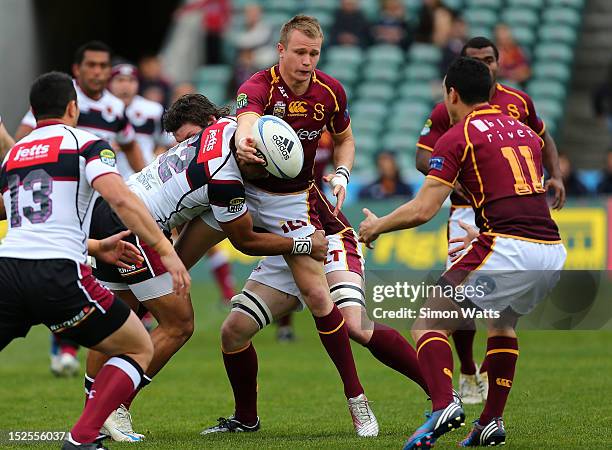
(343, 170)
(302, 246)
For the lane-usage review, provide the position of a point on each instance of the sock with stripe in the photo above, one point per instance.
(393, 350)
(464, 344)
(502, 354)
(335, 339)
(241, 368)
(436, 362)
(115, 382)
(88, 383)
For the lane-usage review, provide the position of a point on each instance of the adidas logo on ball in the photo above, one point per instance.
(284, 145)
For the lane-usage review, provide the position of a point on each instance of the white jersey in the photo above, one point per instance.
(194, 177)
(46, 183)
(103, 117)
(146, 118)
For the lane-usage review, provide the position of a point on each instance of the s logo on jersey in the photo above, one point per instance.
(235, 205)
(108, 157)
(242, 100)
(319, 113)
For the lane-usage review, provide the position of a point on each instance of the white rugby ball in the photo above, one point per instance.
(279, 146)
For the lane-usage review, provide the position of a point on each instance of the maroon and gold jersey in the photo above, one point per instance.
(323, 104)
(498, 161)
(509, 101)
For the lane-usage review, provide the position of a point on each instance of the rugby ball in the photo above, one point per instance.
(279, 146)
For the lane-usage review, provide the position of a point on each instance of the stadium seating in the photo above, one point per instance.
(395, 90)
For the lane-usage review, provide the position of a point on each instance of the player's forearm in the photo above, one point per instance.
(409, 215)
(550, 157)
(134, 156)
(344, 150)
(263, 244)
(245, 124)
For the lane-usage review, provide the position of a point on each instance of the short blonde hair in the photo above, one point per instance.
(306, 24)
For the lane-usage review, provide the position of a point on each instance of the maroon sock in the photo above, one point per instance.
(241, 368)
(335, 339)
(223, 275)
(117, 379)
(485, 365)
(285, 321)
(393, 350)
(143, 383)
(436, 362)
(502, 354)
(464, 343)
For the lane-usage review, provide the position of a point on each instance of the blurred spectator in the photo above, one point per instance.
(513, 64)
(392, 27)
(573, 185)
(183, 89)
(435, 23)
(457, 39)
(389, 182)
(216, 15)
(256, 36)
(602, 101)
(605, 185)
(152, 83)
(243, 69)
(323, 157)
(350, 25)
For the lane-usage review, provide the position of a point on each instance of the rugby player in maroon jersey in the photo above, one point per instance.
(498, 162)
(473, 381)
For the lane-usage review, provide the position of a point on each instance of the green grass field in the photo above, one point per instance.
(561, 396)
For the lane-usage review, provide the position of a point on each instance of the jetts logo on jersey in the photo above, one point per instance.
(211, 143)
(235, 205)
(132, 270)
(282, 91)
(280, 108)
(43, 151)
(108, 157)
(242, 100)
(297, 109)
(284, 145)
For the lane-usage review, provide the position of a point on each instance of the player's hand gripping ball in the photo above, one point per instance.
(279, 146)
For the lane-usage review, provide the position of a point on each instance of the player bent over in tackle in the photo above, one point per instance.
(48, 181)
(197, 179)
(498, 161)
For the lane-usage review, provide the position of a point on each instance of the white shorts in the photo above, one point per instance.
(344, 254)
(145, 290)
(508, 272)
(465, 214)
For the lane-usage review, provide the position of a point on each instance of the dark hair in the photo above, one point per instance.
(471, 79)
(93, 46)
(191, 108)
(50, 94)
(480, 42)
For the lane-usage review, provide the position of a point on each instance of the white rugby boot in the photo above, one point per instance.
(364, 419)
(119, 426)
(472, 389)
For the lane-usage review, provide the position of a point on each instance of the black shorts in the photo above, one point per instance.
(105, 223)
(60, 293)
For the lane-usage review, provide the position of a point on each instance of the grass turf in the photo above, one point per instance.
(560, 399)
